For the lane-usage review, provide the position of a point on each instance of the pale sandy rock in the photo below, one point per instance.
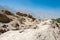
(32, 34)
(25, 28)
(47, 31)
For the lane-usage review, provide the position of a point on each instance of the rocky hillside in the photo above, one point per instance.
(18, 21)
(21, 26)
(48, 30)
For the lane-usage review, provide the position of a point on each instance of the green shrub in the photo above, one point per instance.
(2, 31)
(58, 20)
(30, 16)
(17, 25)
(21, 14)
(26, 15)
(5, 26)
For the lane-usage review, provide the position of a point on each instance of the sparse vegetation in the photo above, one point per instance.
(5, 26)
(58, 20)
(21, 14)
(7, 12)
(4, 19)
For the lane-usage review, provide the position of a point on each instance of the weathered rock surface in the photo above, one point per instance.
(18, 21)
(25, 27)
(48, 30)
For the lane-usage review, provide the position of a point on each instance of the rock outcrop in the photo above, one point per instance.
(25, 27)
(47, 30)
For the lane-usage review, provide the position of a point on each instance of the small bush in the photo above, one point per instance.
(18, 13)
(26, 15)
(30, 16)
(2, 31)
(21, 14)
(58, 20)
(7, 12)
(34, 19)
(4, 19)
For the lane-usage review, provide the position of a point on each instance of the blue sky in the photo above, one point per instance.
(38, 8)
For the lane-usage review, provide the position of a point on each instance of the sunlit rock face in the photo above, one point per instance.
(47, 30)
(26, 27)
(17, 21)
